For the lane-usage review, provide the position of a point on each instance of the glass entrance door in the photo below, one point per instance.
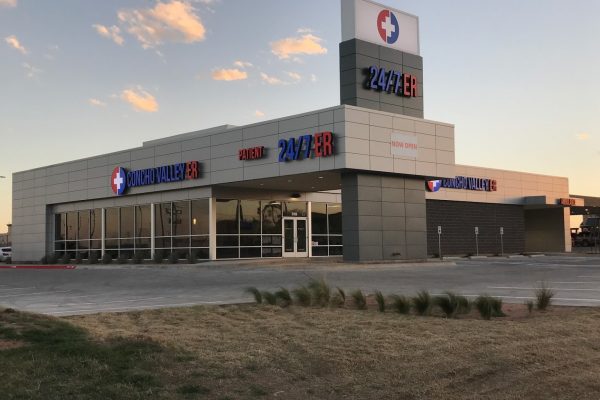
(295, 237)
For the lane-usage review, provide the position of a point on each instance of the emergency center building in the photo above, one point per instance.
(369, 179)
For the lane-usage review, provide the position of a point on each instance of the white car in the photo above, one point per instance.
(5, 253)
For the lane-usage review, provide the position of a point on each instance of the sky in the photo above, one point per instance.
(519, 79)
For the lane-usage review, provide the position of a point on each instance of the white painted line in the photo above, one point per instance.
(33, 294)
(18, 288)
(588, 276)
(105, 302)
(97, 310)
(531, 288)
(528, 297)
(575, 283)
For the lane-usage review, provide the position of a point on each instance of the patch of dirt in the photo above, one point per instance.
(10, 344)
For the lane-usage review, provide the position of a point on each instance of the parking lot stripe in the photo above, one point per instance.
(18, 288)
(33, 294)
(551, 288)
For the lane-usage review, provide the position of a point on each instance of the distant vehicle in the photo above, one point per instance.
(5, 253)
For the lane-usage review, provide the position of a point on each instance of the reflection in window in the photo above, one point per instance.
(326, 229)
(180, 216)
(72, 221)
(227, 217)
(126, 222)
(60, 226)
(200, 217)
(112, 223)
(250, 216)
(84, 225)
(271, 217)
(142, 221)
(162, 219)
(294, 209)
(96, 223)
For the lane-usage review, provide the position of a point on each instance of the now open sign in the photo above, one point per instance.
(404, 145)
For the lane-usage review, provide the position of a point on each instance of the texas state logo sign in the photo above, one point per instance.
(434, 186)
(387, 25)
(118, 181)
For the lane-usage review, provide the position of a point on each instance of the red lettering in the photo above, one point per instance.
(406, 85)
(327, 144)
(413, 86)
(493, 186)
(318, 144)
(191, 170)
(241, 154)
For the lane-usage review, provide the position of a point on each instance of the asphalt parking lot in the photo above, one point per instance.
(575, 279)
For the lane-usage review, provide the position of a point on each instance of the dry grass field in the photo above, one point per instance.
(249, 352)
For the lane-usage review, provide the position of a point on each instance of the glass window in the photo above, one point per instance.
(271, 217)
(142, 221)
(84, 225)
(249, 216)
(319, 218)
(200, 217)
(112, 223)
(96, 223)
(334, 213)
(181, 218)
(60, 226)
(294, 209)
(127, 225)
(72, 225)
(227, 216)
(162, 219)
(228, 252)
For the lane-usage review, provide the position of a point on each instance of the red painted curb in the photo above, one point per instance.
(38, 266)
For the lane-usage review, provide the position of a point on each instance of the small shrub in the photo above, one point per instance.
(359, 299)
(158, 257)
(53, 258)
(320, 292)
(256, 293)
(173, 259)
(337, 300)
(191, 258)
(269, 298)
(65, 259)
(489, 307)
(448, 303)
(284, 297)
(44, 260)
(341, 293)
(380, 299)
(422, 302)
(93, 258)
(78, 258)
(302, 296)
(106, 258)
(543, 297)
(401, 304)
(464, 305)
(138, 257)
(529, 304)
(122, 259)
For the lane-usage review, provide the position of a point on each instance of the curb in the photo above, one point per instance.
(62, 267)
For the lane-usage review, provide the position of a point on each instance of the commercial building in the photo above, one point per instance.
(369, 179)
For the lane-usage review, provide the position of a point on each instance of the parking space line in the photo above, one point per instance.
(97, 310)
(551, 288)
(18, 288)
(107, 302)
(528, 297)
(33, 294)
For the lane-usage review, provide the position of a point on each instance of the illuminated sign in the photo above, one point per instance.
(392, 82)
(252, 153)
(303, 147)
(387, 26)
(463, 182)
(121, 179)
(566, 202)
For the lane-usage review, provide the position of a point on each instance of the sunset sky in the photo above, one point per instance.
(519, 79)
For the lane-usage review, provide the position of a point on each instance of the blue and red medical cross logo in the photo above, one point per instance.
(387, 25)
(117, 181)
(434, 186)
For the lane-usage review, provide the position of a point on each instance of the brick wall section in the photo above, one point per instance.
(356, 56)
(383, 217)
(459, 219)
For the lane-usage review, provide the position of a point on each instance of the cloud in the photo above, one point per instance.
(583, 136)
(296, 77)
(97, 103)
(271, 80)
(259, 113)
(307, 44)
(110, 32)
(15, 44)
(233, 74)
(313, 78)
(242, 64)
(31, 71)
(175, 21)
(140, 99)
(8, 3)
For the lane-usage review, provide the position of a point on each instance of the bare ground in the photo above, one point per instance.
(249, 351)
